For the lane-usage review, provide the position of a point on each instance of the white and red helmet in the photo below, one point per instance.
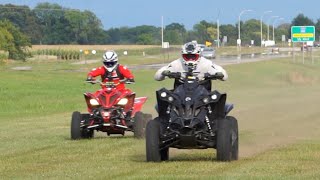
(191, 54)
(110, 60)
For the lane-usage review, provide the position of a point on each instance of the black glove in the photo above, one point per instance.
(90, 80)
(165, 73)
(217, 75)
(130, 81)
(175, 75)
(207, 76)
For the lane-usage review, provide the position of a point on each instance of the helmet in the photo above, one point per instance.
(191, 54)
(110, 60)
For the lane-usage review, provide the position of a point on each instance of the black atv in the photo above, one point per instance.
(192, 117)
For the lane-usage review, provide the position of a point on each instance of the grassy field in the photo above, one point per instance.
(276, 102)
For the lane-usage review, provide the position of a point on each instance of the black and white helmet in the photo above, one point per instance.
(191, 54)
(110, 60)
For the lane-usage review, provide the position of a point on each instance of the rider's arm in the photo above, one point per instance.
(216, 68)
(126, 72)
(174, 66)
(158, 76)
(96, 72)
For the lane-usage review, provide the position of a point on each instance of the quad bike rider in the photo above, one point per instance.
(191, 116)
(112, 109)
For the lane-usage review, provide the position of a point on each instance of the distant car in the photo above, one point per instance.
(202, 46)
(208, 52)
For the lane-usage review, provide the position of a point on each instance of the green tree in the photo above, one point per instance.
(282, 29)
(204, 31)
(301, 20)
(23, 18)
(231, 32)
(317, 26)
(54, 26)
(6, 39)
(13, 41)
(173, 36)
(175, 33)
(144, 39)
(251, 30)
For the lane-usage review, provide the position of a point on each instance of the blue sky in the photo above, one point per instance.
(119, 13)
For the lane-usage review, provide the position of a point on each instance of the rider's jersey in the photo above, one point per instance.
(204, 66)
(115, 76)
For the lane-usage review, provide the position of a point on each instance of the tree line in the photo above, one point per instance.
(51, 24)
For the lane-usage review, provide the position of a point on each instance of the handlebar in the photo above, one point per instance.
(216, 76)
(193, 75)
(110, 83)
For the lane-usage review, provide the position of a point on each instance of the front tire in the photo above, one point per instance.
(153, 152)
(235, 138)
(75, 125)
(227, 139)
(77, 132)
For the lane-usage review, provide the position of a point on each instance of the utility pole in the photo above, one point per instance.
(161, 31)
(218, 33)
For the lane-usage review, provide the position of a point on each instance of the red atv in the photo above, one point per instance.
(112, 111)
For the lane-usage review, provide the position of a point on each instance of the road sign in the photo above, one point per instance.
(302, 33)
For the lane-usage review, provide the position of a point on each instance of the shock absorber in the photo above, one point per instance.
(209, 126)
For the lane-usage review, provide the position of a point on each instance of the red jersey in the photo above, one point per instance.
(120, 72)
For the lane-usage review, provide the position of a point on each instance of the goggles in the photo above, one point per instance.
(110, 64)
(190, 57)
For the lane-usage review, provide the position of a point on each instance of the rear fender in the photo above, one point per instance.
(138, 102)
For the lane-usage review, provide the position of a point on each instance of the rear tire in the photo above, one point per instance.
(153, 141)
(140, 121)
(227, 139)
(75, 125)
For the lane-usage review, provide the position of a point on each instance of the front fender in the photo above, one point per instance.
(87, 97)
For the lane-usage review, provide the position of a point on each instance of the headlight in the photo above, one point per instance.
(94, 102)
(123, 101)
(205, 100)
(214, 96)
(163, 94)
(170, 99)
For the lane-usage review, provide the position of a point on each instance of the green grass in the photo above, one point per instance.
(276, 103)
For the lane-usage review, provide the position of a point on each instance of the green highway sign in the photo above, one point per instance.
(302, 33)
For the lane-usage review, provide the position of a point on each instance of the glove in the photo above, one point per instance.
(165, 73)
(175, 75)
(90, 79)
(207, 76)
(219, 75)
(130, 81)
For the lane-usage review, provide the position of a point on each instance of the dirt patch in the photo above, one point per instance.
(299, 78)
(22, 68)
(43, 57)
